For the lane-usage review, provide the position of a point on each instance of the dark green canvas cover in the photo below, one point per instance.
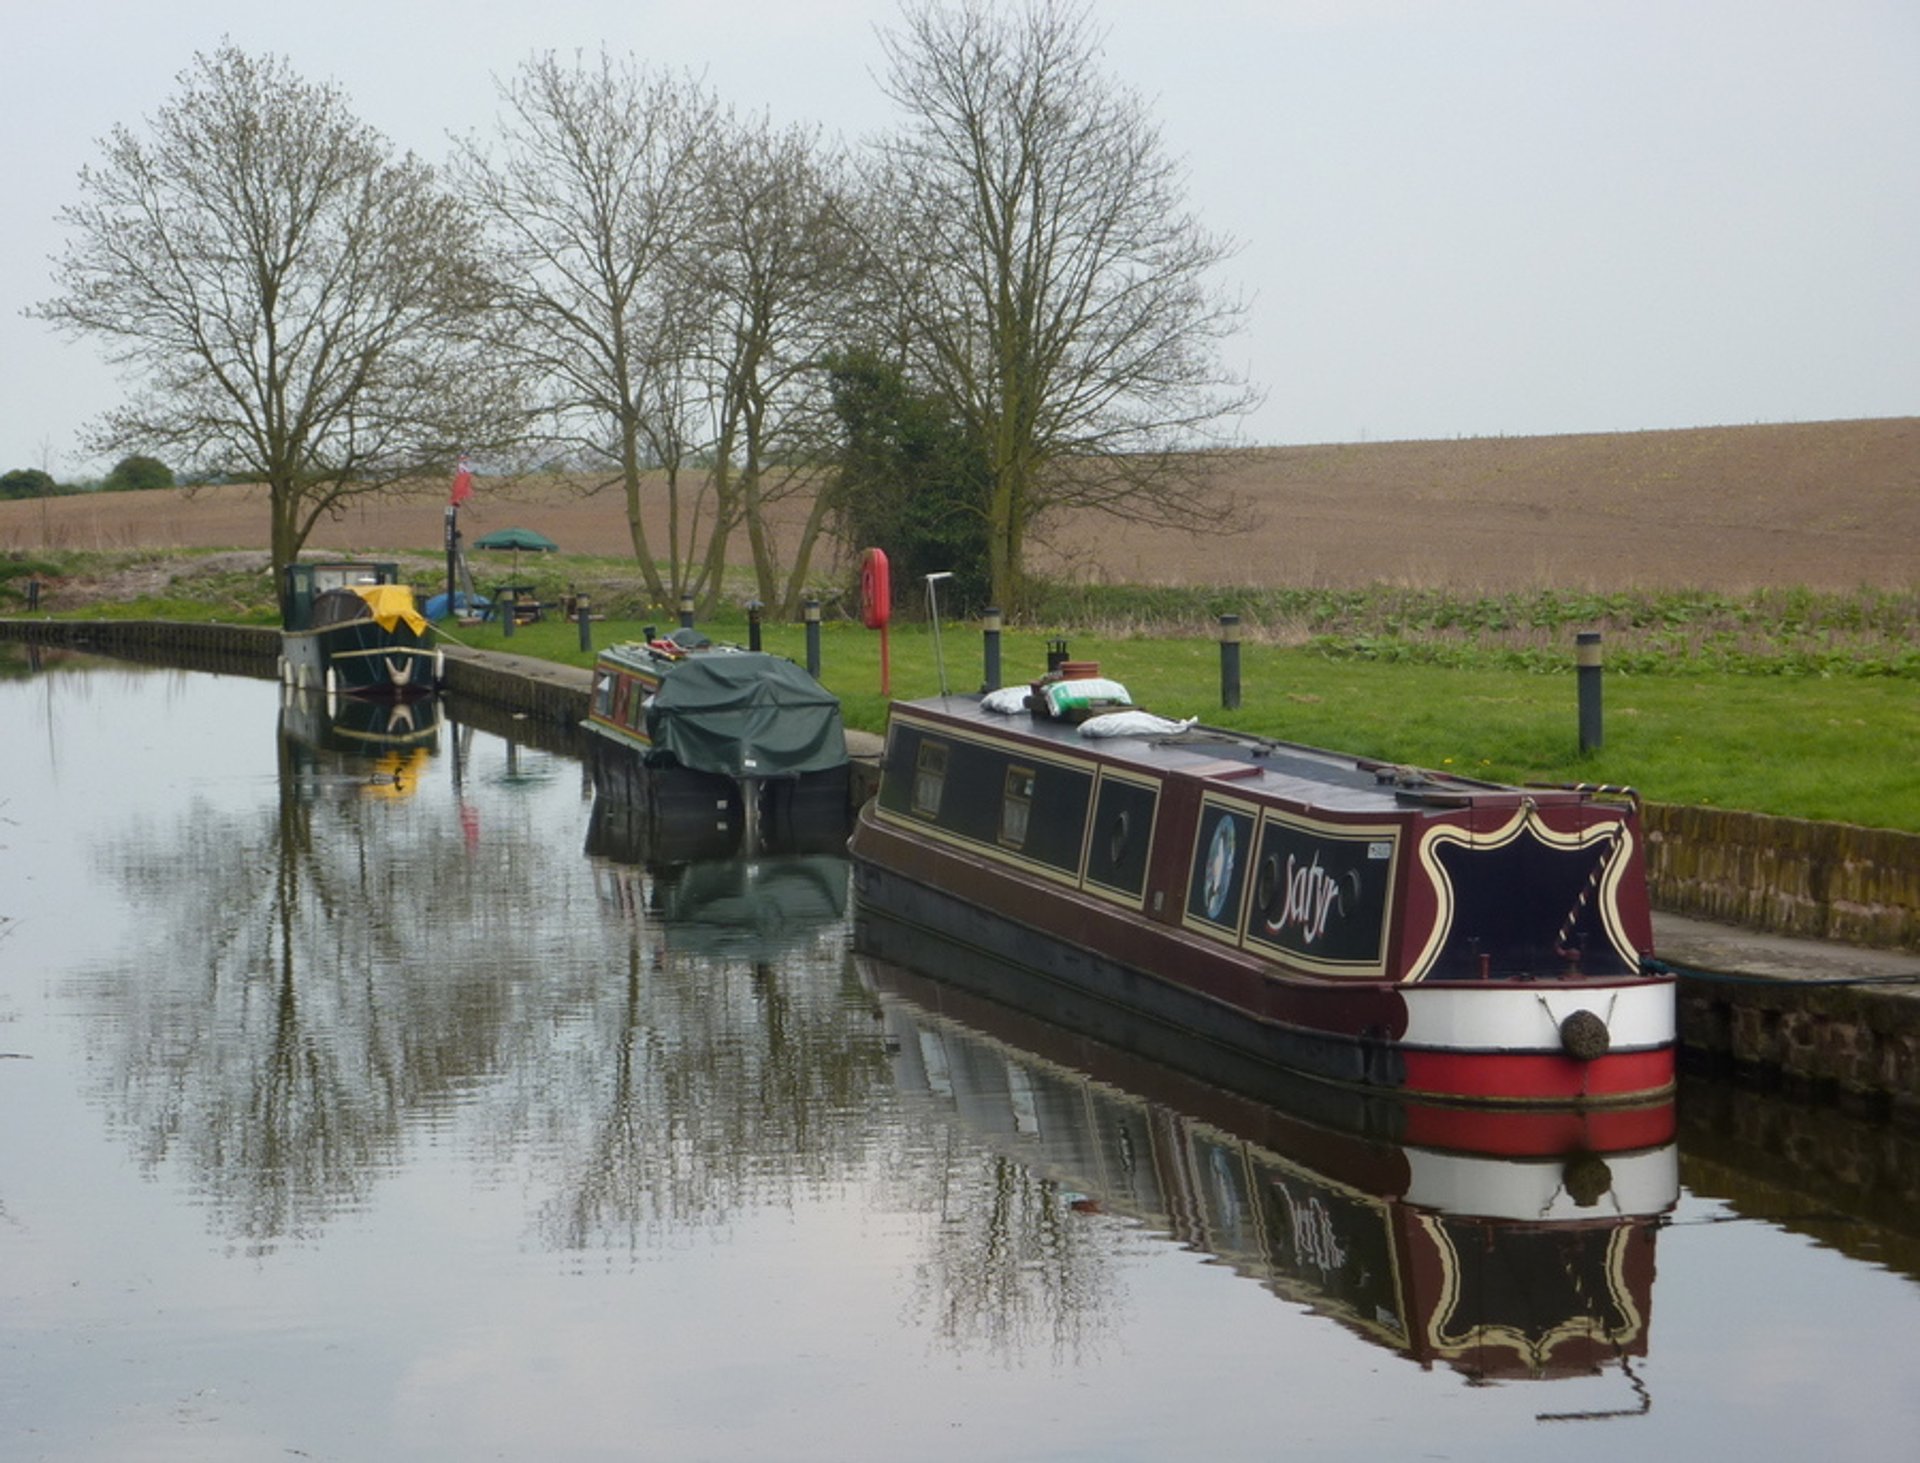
(745, 714)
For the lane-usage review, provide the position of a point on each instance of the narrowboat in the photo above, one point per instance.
(1410, 931)
(1537, 1268)
(352, 628)
(717, 743)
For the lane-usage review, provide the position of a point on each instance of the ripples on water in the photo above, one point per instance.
(371, 1098)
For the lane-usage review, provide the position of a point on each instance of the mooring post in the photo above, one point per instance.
(509, 612)
(1230, 662)
(991, 635)
(811, 612)
(583, 607)
(1586, 660)
(753, 623)
(686, 612)
(33, 594)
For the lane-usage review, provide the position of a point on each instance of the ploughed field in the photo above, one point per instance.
(1823, 505)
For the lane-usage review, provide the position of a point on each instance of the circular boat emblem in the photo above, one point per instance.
(1220, 856)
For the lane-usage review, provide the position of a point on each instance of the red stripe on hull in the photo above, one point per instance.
(1538, 1077)
(1530, 1132)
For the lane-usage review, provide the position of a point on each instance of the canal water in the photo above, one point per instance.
(366, 1093)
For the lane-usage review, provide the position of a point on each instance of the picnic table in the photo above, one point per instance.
(527, 609)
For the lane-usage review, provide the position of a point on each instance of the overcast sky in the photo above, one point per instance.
(1456, 218)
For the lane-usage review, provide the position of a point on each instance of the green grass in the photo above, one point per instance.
(1784, 701)
(1841, 748)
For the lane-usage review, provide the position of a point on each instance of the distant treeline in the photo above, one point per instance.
(130, 474)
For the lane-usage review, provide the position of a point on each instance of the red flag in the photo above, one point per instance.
(462, 484)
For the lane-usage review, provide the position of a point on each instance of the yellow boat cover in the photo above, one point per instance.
(391, 604)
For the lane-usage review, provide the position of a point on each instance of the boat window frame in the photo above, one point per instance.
(639, 694)
(1016, 806)
(929, 779)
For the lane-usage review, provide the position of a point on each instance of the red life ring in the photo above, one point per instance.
(876, 590)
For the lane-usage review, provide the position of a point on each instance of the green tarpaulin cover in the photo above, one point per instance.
(746, 714)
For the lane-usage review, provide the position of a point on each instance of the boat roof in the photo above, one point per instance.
(1246, 763)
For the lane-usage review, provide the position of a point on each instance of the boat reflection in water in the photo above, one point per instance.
(1500, 1251)
(369, 748)
(707, 902)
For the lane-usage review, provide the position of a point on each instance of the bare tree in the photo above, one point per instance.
(300, 304)
(1049, 277)
(773, 266)
(590, 192)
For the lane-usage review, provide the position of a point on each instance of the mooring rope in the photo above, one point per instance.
(1728, 977)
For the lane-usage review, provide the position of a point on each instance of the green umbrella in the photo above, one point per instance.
(516, 539)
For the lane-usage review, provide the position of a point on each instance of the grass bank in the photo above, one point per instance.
(1807, 745)
(1784, 701)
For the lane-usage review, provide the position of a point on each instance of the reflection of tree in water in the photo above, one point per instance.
(1013, 1263)
(715, 1081)
(288, 1015)
(312, 979)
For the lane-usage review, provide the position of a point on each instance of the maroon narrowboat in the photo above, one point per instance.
(1405, 930)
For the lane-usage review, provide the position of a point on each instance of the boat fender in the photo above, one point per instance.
(1584, 1036)
(1587, 1179)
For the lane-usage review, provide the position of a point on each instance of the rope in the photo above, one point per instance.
(1660, 967)
(1563, 942)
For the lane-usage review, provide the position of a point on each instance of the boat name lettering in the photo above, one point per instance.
(1316, 1242)
(1311, 895)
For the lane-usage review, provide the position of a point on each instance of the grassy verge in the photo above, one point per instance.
(1798, 745)
(1781, 702)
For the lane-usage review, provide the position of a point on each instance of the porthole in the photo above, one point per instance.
(1268, 892)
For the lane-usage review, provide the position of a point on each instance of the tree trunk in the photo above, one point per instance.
(636, 524)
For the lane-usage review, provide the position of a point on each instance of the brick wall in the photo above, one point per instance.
(1788, 876)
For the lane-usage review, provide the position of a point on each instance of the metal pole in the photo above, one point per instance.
(453, 552)
(991, 634)
(933, 615)
(1230, 662)
(686, 612)
(510, 611)
(583, 606)
(812, 614)
(753, 624)
(1586, 660)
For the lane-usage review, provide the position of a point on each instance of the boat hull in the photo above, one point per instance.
(683, 808)
(360, 659)
(1351, 1033)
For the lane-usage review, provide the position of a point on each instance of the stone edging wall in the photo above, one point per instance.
(1786, 876)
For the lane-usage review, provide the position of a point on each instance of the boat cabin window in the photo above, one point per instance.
(603, 694)
(1016, 806)
(633, 704)
(930, 778)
